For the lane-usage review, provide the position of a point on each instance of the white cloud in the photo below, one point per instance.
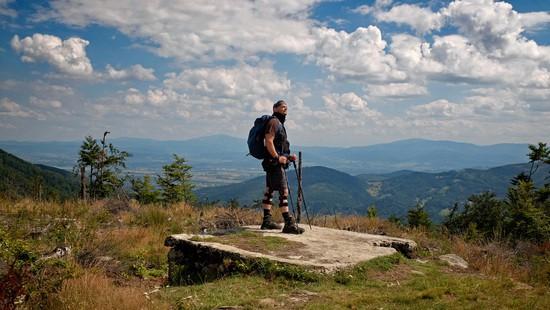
(134, 97)
(159, 97)
(483, 103)
(191, 30)
(493, 27)
(454, 57)
(137, 72)
(5, 10)
(359, 54)
(217, 95)
(421, 19)
(534, 20)
(10, 108)
(348, 102)
(45, 103)
(413, 55)
(438, 109)
(396, 90)
(243, 82)
(68, 56)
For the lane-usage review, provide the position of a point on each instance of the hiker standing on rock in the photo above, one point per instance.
(275, 162)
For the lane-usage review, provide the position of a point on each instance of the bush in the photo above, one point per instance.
(418, 217)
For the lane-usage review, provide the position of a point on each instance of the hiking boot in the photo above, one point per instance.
(269, 223)
(292, 228)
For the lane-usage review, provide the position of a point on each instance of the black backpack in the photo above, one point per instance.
(256, 137)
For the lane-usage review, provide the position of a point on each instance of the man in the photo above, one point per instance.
(275, 163)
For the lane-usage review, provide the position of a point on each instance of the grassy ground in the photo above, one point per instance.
(118, 261)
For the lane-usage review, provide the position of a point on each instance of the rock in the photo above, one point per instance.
(58, 252)
(193, 258)
(454, 261)
(267, 303)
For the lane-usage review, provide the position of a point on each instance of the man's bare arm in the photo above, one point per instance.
(269, 138)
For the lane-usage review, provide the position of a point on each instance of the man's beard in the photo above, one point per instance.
(280, 116)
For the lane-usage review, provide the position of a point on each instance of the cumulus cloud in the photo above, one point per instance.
(421, 19)
(438, 109)
(349, 102)
(208, 95)
(359, 54)
(190, 30)
(483, 103)
(137, 72)
(243, 82)
(455, 57)
(534, 20)
(134, 97)
(68, 56)
(11, 108)
(396, 90)
(492, 26)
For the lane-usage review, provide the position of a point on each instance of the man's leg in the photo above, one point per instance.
(267, 202)
(290, 224)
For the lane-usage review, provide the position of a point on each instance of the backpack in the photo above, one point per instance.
(256, 137)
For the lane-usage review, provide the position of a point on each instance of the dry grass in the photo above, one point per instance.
(93, 290)
(356, 223)
(133, 235)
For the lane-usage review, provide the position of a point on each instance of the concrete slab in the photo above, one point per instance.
(321, 248)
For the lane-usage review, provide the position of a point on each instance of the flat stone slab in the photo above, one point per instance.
(320, 248)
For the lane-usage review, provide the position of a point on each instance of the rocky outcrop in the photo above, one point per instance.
(195, 258)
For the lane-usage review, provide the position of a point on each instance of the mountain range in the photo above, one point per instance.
(222, 159)
(329, 191)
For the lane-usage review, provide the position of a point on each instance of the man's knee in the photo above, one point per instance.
(283, 198)
(268, 196)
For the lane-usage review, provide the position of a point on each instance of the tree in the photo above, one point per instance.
(88, 158)
(538, 154)
(371, 211)
(483, 213)
(102, 164)
(418, 217)
(175, 181)
(528, 217)
(523, 215)
(110, 164)
(145, 191)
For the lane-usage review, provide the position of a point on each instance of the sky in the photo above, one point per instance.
(352, 72)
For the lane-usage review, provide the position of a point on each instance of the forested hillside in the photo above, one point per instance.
(328, 190)
(19, 178)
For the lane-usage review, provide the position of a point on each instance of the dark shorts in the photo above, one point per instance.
(275, 177)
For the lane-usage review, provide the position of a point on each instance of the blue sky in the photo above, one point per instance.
(353, 72)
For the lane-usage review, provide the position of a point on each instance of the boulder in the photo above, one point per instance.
(454, 261)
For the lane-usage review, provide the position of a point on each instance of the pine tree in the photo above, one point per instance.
(371, 211)
(418, 217)
(145, 191)
(103, 165)
(175, 181)
(88, 158)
